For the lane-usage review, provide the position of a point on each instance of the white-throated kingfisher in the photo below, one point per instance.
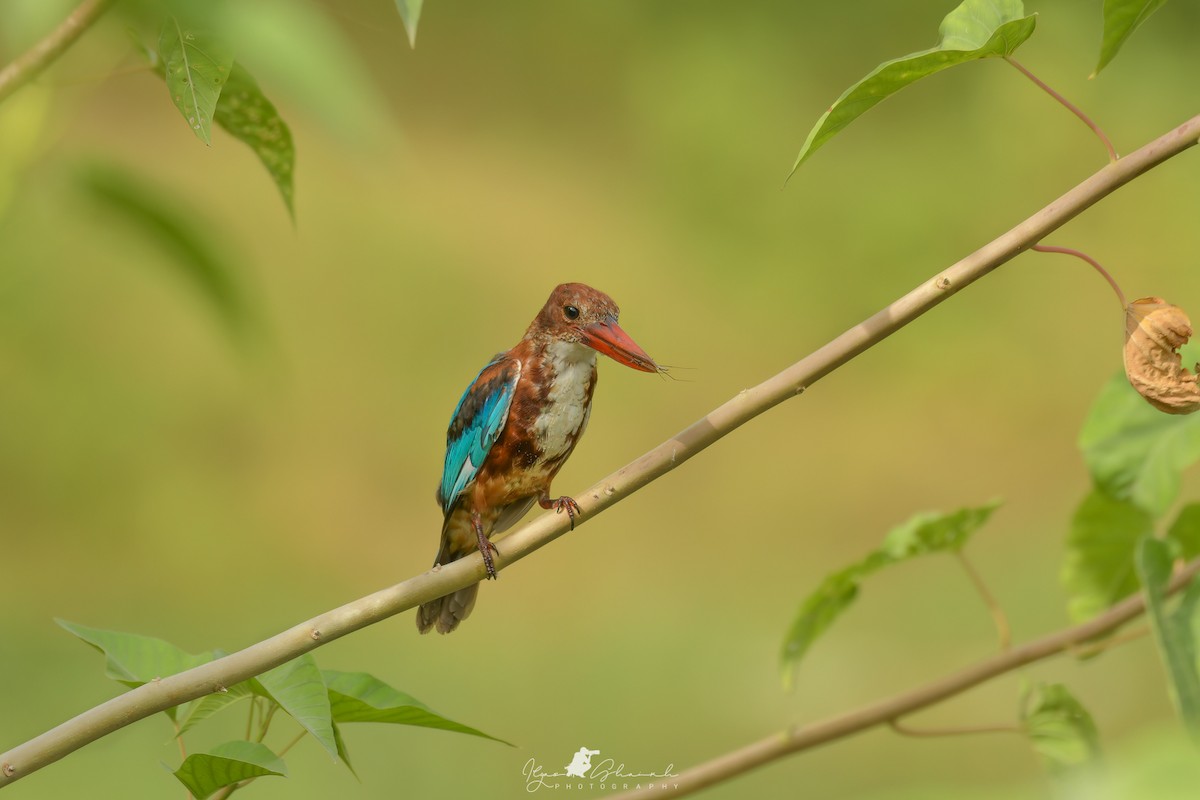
(514, 428)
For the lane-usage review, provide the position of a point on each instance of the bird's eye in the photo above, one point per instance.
(571, 312)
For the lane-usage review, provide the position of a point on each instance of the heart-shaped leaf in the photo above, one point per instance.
(1061, 729)
(1098, 569)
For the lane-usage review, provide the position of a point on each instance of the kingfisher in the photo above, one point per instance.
(515, 426)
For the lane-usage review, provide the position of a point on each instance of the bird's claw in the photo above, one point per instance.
(561, 504)
(486, 547)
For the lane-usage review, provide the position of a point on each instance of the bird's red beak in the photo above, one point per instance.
(608, 338)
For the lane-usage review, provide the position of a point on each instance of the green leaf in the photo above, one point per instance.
(299, 689)
(1121, 19)
(208, 705)
(1061, 730)
(1135, 452)
(343, 752)
(1172, 629)
(933, 532)
(976, 29)
(247, 115)
(177, 229)
(1186, 531)
(132, 659)
(410, 15)
(226, 764)
(820, 609)
(250, 118)
(196, 64)
(359, 697)
(925, 533)
(1098, 569)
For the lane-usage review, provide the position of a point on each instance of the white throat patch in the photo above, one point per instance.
(566, 412)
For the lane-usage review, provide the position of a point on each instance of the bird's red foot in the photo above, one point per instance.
(561, 504)
(485, 546)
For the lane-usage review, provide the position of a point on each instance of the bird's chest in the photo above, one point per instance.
(570, 373)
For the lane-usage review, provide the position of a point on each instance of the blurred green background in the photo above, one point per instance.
(156, 477)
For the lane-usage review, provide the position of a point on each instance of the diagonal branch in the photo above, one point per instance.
(797, 740)
(171, 691)
(29, 64)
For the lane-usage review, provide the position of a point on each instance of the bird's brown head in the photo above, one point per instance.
(576, 312)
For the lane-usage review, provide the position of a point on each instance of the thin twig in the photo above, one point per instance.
(1045, 248)
(250, 718)
(30, 64)
(1089, 649)
(182, 753)
(799, 739)
(156, 696)
(1112, 153)
(1003, 629)
(265, 725)
(961, 730)
(293, 742)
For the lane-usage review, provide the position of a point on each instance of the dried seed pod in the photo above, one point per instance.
(1154, 331)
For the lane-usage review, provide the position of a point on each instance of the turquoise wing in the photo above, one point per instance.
(475, 426)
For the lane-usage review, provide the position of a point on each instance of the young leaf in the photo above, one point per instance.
(208, 705)
(410, 15)
(359, 697)
(245, 112)
(1135, 453)
(174, 227)
(1172, 630)
(299, 689)
(226, 764)
(926, 533)
(975, 29)
(1099, 570)
(1121, 19)
(817, 613)
(934, 532)
(196, 66)
(1061, 729)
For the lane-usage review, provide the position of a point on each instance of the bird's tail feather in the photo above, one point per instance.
(446, 612)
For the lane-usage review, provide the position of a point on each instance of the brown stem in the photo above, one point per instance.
(1093, 648)
(156, 696)
(883, 712)
(182, 753)
(1045, 248)
(1112, 153)
(1003, 629)
(30, 64)
(961, 730)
